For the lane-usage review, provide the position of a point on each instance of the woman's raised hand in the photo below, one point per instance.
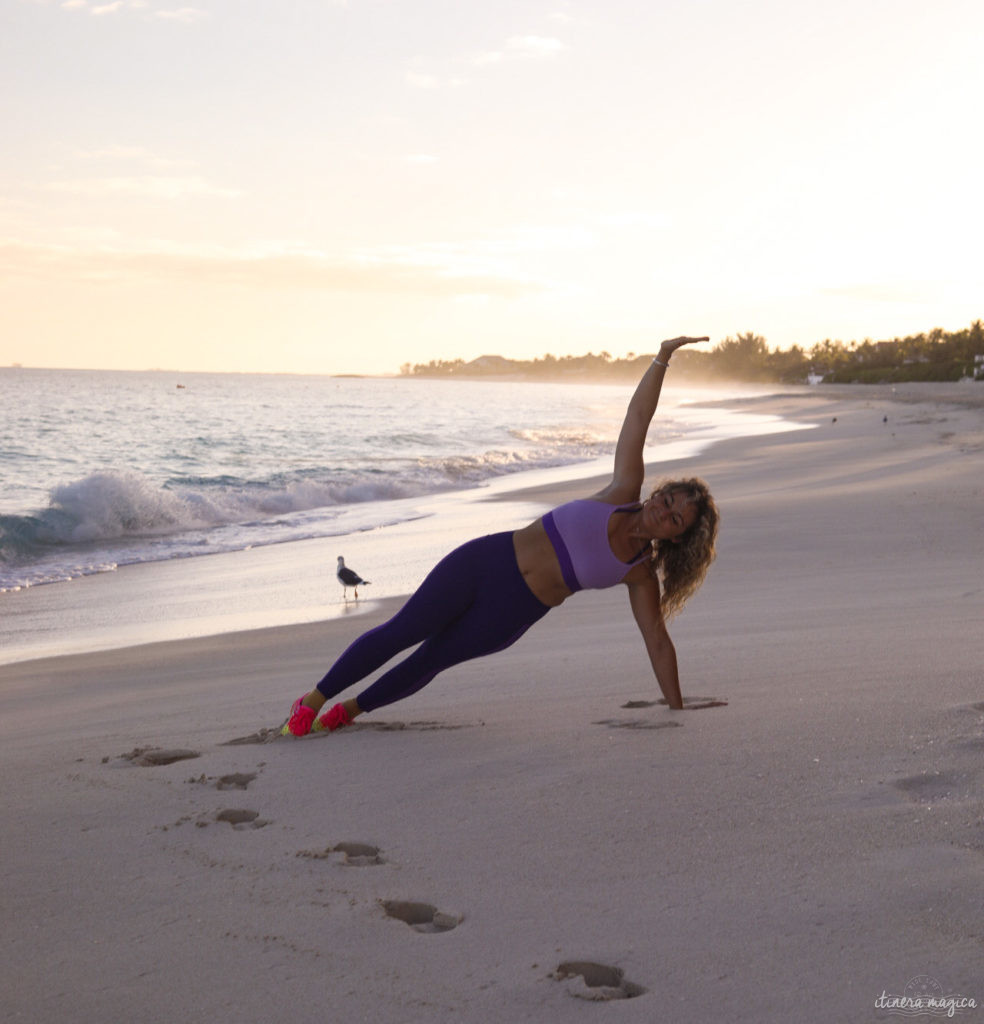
(670, 346)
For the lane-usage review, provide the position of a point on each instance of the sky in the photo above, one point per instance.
(346, 186)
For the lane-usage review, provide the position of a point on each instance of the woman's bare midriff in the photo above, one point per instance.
(538, 563)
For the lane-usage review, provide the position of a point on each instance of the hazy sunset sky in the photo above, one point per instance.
(319, 186)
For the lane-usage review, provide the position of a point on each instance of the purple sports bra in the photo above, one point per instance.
(578, 532)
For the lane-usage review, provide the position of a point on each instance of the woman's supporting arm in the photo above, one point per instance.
(644, 598)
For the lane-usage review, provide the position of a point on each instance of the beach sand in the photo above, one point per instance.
(793, 856)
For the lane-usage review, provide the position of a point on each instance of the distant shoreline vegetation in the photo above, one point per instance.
(936, 356)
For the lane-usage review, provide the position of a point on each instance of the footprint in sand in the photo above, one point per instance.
(971, 742)
(356, 855)
(411, 726)
(238, 780)
(422, 917)
(240, 818)
(932, 786)
(147, 757)
(975, 743)
(261, 736)
(272, 735)
(596, 982)
(636, 723)
(975, 707)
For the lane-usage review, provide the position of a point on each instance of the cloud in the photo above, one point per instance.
(134, 154)
(188, 15)
(892, 292)
(185, 15)
(570, 20)
(276, 268)
(496, 256)
(521, 48)
(534, 46)
(420, 76)
(422, 81)
(148, 187)
(647, 220)
(515, 48)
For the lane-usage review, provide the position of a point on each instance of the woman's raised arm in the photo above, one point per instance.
(630, 470)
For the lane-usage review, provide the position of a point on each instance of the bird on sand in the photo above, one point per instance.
(348, 578)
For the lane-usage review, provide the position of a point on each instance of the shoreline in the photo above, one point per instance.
(806, 405)
(812, 405)
(292, 581)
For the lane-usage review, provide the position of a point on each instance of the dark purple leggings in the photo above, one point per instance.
(473, 602)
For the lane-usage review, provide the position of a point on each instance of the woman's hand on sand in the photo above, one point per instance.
(697, 703)
(667, 348)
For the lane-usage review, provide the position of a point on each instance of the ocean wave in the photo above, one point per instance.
(116, 506)
(576, 438)
(116, 509)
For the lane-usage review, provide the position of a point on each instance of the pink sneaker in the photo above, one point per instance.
(299, 722)
(334, 718)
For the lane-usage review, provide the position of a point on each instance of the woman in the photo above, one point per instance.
(485, 594)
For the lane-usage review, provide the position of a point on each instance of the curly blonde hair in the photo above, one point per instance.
(683, 564)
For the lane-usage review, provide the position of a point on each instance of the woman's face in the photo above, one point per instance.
(667, 515)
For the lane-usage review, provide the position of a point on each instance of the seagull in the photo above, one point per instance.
(347, 578)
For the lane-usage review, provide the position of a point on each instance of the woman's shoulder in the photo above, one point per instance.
(616, 494)
(644, 577)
